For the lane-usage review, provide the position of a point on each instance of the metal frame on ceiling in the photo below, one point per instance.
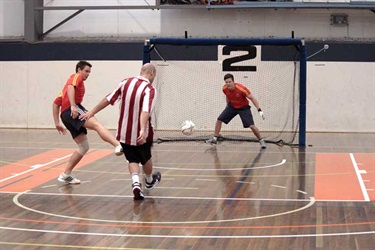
(34, 10)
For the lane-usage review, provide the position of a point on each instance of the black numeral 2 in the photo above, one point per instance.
(251, 54)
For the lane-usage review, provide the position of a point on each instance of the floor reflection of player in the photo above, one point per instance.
(74, 209)
(233, 184)
(143, 212)
(246, 175)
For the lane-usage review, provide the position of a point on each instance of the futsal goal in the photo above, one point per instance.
(189, 83)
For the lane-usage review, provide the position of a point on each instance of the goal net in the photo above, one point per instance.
(190, 77)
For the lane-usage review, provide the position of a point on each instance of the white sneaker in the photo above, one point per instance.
(118, 150)
(212, 140)
(262, 143)
(68, 179)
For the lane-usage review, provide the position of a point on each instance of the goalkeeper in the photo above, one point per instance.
(237, 96)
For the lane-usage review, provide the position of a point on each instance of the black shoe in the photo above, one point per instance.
(155, 180)
(137, 191)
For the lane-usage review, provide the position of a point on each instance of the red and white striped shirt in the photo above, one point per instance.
(136, 95)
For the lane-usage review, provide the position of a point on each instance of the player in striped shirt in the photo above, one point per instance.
(136, 97)
(237, 96)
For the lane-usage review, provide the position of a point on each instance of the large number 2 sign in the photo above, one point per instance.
(228, 63)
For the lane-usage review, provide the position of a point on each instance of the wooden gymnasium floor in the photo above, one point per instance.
(232, 196)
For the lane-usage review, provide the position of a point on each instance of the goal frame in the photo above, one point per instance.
(150, 43)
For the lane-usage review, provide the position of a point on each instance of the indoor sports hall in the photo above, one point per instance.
(312, 187)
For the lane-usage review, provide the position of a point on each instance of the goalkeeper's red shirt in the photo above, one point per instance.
(77, 82)
(237, 96)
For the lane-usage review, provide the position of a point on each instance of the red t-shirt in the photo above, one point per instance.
(77, 82)
(237, 96)
(58, 100)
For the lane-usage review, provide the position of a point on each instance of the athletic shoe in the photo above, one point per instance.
(137, 191)
(262, 143)
(155, 180)
(118, 150)
(69, 179)
(212, 140)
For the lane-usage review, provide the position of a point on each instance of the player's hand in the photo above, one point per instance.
(73, 112)
(261, 113)
(86, 116)
(142, 137)
(60, 129)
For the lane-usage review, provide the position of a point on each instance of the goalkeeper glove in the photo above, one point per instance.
(261, 113)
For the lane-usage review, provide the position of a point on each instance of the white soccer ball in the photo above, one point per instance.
(187, 127)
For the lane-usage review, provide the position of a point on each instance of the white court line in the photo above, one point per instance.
(188, 236)
(155, 197)
(49, 186)
(360, 180)
(205, 180)
(17, 203)
(32, 168)
(277, 186)
(246, 182)
(174, 188)
(175, 197)
(223, 169)
(300, 191)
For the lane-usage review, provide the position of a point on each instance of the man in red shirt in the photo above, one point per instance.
(237, 96)
(137, 99)
(70, 100)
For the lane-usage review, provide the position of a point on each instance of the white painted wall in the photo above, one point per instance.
(340, 95)
(139, 24)
(29, 88)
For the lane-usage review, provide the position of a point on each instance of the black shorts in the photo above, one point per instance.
(137, 154)
(75, 126)
(229, 112)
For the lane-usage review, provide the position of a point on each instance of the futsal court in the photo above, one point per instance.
(230, 196)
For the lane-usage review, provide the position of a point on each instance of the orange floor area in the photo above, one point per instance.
(336, 177)
(31, 172)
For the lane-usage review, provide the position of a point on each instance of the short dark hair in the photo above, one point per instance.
(82, 64)
(229, 76)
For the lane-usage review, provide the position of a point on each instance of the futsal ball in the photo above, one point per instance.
(187, 127)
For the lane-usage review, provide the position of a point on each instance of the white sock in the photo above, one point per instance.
(149, 178)
(135, 178)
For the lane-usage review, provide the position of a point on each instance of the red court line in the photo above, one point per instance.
(335, 177)
(31, 178)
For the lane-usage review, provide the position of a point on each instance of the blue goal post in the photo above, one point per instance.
(165, 51)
